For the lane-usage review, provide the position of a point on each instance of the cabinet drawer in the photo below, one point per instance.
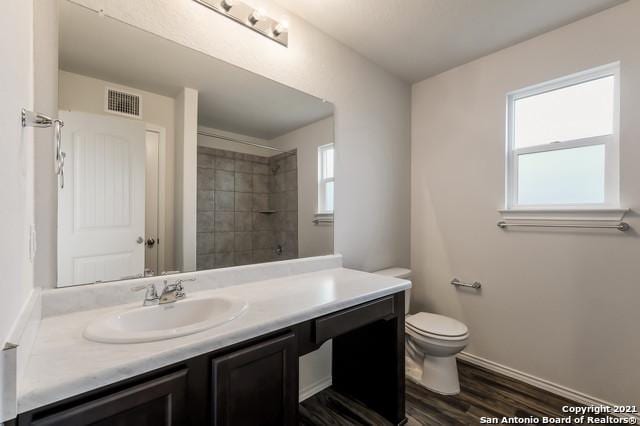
(157, 402)
(341, 322)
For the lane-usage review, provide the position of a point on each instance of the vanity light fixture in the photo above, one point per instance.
(255, 19)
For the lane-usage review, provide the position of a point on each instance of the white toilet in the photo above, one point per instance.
(432, 342)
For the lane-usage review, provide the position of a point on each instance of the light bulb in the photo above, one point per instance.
(226, 5)
(281, 28)
(256, 16)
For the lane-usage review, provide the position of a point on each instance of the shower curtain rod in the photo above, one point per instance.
(230, 139)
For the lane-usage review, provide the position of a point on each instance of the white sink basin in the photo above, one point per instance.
(149, 323)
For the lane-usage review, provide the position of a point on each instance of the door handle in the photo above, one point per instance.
(150, 242)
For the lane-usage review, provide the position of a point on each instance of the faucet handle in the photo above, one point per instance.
(180, 281)
(179, 289)
(151, 296)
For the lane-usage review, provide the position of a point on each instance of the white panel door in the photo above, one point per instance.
(101, 208)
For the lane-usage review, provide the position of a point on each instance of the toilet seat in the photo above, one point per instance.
(437, 326)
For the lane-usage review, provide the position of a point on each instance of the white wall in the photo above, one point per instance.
(81, 93)
(371, 117)
(186, 178)
(562, 306)
(46, 102)
(16, 174)
(16, 152)
(313, 240)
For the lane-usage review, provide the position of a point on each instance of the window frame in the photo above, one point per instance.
(323, 181)
(610, 142)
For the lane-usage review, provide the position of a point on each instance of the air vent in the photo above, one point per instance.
(123, 103)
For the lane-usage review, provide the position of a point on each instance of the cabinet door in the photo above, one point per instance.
(257, 385)
(156, 402)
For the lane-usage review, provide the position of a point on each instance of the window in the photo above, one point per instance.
(563, 142)
(325, 179)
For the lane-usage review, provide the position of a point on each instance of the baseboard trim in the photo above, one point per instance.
(543, 384)
(314, 388)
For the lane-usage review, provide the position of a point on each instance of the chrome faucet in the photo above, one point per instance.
(169, 293)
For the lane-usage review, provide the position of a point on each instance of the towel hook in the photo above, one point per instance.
(38, 120)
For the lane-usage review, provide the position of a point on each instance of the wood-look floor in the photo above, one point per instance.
(483, 394)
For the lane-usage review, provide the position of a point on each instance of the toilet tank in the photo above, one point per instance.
(403, 273)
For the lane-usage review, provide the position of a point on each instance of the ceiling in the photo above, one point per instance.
(229, 98)
(416, 39)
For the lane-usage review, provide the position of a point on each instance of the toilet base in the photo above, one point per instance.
(438, 374)
(413, 371)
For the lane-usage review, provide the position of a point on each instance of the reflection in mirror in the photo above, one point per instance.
(176, 161)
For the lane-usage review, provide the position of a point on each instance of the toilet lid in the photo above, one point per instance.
(437, 324)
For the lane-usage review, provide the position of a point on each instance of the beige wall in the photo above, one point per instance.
(562, 306)
(313, 240)
(82, 93)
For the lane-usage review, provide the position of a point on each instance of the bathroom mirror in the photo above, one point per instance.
(176, 161)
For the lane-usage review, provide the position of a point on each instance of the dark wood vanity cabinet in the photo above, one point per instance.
(257, 385)
(255, 382)
(161, 401)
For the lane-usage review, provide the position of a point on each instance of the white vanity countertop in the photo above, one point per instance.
(63, 363)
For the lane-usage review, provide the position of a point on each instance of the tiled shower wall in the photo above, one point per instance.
(283, 199)
(247, 208)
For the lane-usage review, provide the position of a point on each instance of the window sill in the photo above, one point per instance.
(571, 214)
